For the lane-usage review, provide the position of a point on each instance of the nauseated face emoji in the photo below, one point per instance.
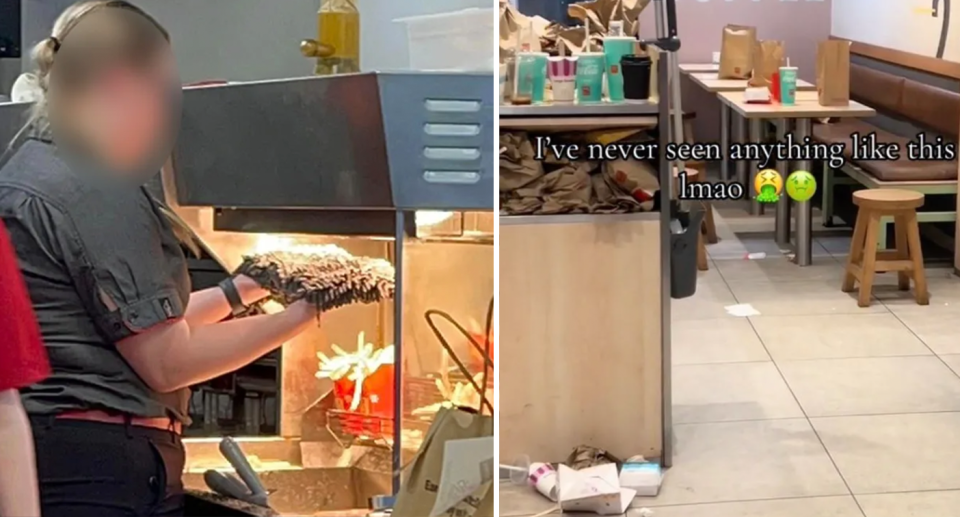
(801, 186)
(768, 185)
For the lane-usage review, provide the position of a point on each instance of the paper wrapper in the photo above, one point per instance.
(768, 57)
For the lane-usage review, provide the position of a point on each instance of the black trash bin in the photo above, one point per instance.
(636, 77)
(683, 253)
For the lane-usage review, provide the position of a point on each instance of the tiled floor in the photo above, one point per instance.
(814, 407)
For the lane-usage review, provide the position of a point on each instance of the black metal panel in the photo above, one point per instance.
(363, 141)
(439, 135)
(298, 143)
(356, 223)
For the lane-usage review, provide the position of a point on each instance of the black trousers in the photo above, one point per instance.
(89, 469)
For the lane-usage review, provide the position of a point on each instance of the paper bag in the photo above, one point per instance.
(418, 495)
(736, 52)
(767, 59)
(452, 473)
(833, 73)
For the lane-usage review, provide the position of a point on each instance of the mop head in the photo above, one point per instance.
(329, 278)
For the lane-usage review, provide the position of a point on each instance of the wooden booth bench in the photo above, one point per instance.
(913, 107)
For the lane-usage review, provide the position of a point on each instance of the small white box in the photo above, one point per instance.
(643, 477)
(716, 58)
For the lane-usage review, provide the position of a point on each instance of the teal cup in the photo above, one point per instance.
(614, 48)
(590, 70)
(532, 67)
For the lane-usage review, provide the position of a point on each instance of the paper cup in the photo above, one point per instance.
(590, 72)
(614, 48)
(533, 67)
(563, 78)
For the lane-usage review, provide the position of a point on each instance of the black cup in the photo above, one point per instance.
(636, 77)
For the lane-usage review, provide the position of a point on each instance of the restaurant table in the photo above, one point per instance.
(802, 113)
(713, 84)
(693, 68)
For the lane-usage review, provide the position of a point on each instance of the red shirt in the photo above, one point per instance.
(23, 359)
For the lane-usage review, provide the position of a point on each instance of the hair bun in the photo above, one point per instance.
(54, 43)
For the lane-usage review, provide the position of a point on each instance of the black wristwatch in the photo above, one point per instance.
(237, 308)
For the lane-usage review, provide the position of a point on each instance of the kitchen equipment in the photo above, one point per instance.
(335, 168)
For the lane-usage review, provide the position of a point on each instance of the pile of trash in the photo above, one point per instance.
(591, 480)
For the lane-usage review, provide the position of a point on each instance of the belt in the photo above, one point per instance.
(164, 424)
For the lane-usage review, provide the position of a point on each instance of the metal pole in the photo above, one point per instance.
(755, 134)
(725, 141)
(399, 233)
(783, 205)
(804, 209)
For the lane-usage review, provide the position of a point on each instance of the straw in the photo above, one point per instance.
(516, 64)
(561, 48)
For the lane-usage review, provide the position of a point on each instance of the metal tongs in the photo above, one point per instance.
(248, 488)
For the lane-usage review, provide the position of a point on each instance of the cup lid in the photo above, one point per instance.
(597, 54)
(561, 58)
(620, 38)
(528, 53)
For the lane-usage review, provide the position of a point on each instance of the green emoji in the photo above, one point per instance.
(801, 186)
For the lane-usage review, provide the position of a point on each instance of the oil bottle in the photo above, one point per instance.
(337, 49)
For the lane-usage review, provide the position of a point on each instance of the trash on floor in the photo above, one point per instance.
(641, 475)
(755, 256)
(593, 489)
(590, 480)
(741, 310)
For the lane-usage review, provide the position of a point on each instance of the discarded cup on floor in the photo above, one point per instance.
(563, 78)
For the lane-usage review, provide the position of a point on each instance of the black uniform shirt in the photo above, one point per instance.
(101, 264)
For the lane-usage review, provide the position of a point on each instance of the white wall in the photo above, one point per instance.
(905, 25)
(245, 40)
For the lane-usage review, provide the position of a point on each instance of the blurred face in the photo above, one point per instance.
(128, 113)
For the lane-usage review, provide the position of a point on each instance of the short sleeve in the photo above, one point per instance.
(23, 359)
(129, 275)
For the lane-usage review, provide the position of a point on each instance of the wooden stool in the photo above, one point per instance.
(693, 175)
(907, 259)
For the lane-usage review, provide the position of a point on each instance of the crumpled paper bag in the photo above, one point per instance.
(567, 190)
(518, 165)
(602, 12)
(518, 31)
(637, 179)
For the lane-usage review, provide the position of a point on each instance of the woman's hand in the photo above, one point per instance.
(303, 311)
(250, 291)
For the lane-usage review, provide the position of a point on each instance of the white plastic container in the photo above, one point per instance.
(458, 40)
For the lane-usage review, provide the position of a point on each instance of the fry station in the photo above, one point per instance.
(384, 166)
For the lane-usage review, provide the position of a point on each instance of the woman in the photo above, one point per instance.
(103, 264)
(23, 361)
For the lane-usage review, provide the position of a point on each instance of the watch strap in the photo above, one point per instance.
(237, 308)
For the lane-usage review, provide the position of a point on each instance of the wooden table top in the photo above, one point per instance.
(807, 106)
(713, 84)
(694, 68)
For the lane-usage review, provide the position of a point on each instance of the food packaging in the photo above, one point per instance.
(563, 78)
(544, 479)
(736, 52)
(833, 73)
(788, 85)
(590, 72)
(768, 57)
